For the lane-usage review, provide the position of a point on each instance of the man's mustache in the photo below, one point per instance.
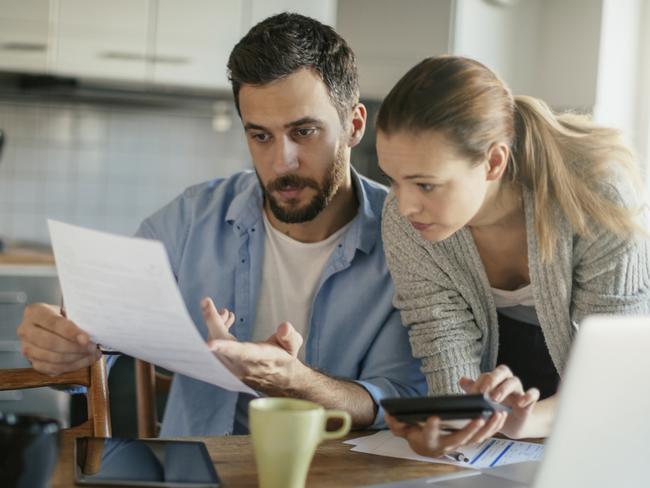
(291, 181)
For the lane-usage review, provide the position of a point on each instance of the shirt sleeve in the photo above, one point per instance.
(389, 369)
(442, 329)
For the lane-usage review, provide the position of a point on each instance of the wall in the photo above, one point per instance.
(104, 167)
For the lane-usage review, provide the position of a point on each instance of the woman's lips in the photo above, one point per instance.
(420, 226)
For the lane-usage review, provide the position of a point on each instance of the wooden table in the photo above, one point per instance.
(333, 465)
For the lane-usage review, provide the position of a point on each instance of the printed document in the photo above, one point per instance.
(122, 291)
(487, 454)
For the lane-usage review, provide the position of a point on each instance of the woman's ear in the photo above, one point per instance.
(357, 124)
(498, 157)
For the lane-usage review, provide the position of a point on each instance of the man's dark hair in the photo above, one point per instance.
(285, 43)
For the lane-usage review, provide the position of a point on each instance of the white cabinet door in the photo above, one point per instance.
(102, 39)
(193, 41)
(24, 30)
(322, 10)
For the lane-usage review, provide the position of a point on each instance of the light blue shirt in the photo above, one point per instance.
(214, 235)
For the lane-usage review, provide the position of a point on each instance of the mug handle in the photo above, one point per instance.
(341, 431)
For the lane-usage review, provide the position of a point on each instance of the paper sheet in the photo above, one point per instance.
(122, 291)
(490, 453)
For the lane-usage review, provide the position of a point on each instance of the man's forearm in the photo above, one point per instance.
(333, 393)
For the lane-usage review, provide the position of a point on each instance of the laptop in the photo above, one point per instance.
(601, 434)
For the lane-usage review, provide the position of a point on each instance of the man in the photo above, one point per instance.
(297, 241)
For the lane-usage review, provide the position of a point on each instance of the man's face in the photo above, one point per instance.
(297, 142)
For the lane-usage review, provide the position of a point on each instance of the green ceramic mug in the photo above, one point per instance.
(285, 434)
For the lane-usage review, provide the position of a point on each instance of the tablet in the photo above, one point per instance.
(446, 407)
(139, 462)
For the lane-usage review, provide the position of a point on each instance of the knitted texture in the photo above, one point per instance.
(445, 299)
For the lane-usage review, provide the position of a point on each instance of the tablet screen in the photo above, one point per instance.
(139, 462)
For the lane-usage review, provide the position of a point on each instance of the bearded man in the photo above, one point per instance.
(290, 251)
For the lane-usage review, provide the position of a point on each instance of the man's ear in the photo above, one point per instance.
(358, 124)
(498, 159)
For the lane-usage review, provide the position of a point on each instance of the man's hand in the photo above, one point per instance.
(271, 367)
(52, 343)
(217, 321)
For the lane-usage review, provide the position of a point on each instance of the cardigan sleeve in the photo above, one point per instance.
(611, 274)
(442, 329)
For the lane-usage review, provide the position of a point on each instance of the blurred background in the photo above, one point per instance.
(109, 109)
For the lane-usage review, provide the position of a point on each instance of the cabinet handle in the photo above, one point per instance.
(13, 297)
(162, 59)
(24, 46)
(122, 56)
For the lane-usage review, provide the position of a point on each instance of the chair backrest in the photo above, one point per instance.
(148, 381)
(93, 378)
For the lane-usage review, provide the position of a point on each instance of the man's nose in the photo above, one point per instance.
(285, 156)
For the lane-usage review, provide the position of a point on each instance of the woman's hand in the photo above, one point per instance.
(504, 387)
(426, 438)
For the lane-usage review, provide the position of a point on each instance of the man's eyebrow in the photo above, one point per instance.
(303, 121)
(251, 126)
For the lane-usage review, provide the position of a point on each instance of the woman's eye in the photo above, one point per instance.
(426, 187)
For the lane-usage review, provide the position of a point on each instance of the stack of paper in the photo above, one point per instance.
(490, 453)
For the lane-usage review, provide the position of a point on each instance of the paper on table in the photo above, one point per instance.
(122, 291)
(490, 453)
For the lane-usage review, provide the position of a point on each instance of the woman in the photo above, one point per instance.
(506, 226)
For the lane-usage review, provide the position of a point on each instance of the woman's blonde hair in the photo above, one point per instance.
(563, 158)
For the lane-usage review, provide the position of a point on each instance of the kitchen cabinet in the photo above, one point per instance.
(193, 40)
(24, 35)
(150, 42)
(99, 39)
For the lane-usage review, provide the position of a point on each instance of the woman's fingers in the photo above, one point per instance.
(398, 428)
(529, 398)
(491, 427)
(507, 387)
(488, 381)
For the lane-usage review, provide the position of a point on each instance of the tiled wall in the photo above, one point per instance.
(102, 166)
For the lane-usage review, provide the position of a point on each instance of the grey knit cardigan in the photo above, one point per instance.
(445, 299)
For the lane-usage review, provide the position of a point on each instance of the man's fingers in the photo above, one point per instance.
(36, 353)
(55, 369)
(49, 317)
(216, 323)
(289, 338)
(46, 339)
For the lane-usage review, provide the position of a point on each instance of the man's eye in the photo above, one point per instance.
(260, 137)
(305, 131)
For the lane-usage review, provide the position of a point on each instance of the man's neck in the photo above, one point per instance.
(339, 212)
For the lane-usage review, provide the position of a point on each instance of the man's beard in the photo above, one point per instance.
(291, 213)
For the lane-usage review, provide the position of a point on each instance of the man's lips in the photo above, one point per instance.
(289, 192)
(419, 226)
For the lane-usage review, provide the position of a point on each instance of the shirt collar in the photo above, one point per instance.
(245, 212)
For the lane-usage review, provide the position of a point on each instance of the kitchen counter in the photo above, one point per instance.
(19, 256)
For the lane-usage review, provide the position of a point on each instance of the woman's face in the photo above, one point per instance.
(438, 190)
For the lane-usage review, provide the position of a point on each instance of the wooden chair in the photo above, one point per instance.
(148, 382)
(93, 377)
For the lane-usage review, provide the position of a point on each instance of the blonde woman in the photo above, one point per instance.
(506, 226)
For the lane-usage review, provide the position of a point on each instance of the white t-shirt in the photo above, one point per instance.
(291, 273)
